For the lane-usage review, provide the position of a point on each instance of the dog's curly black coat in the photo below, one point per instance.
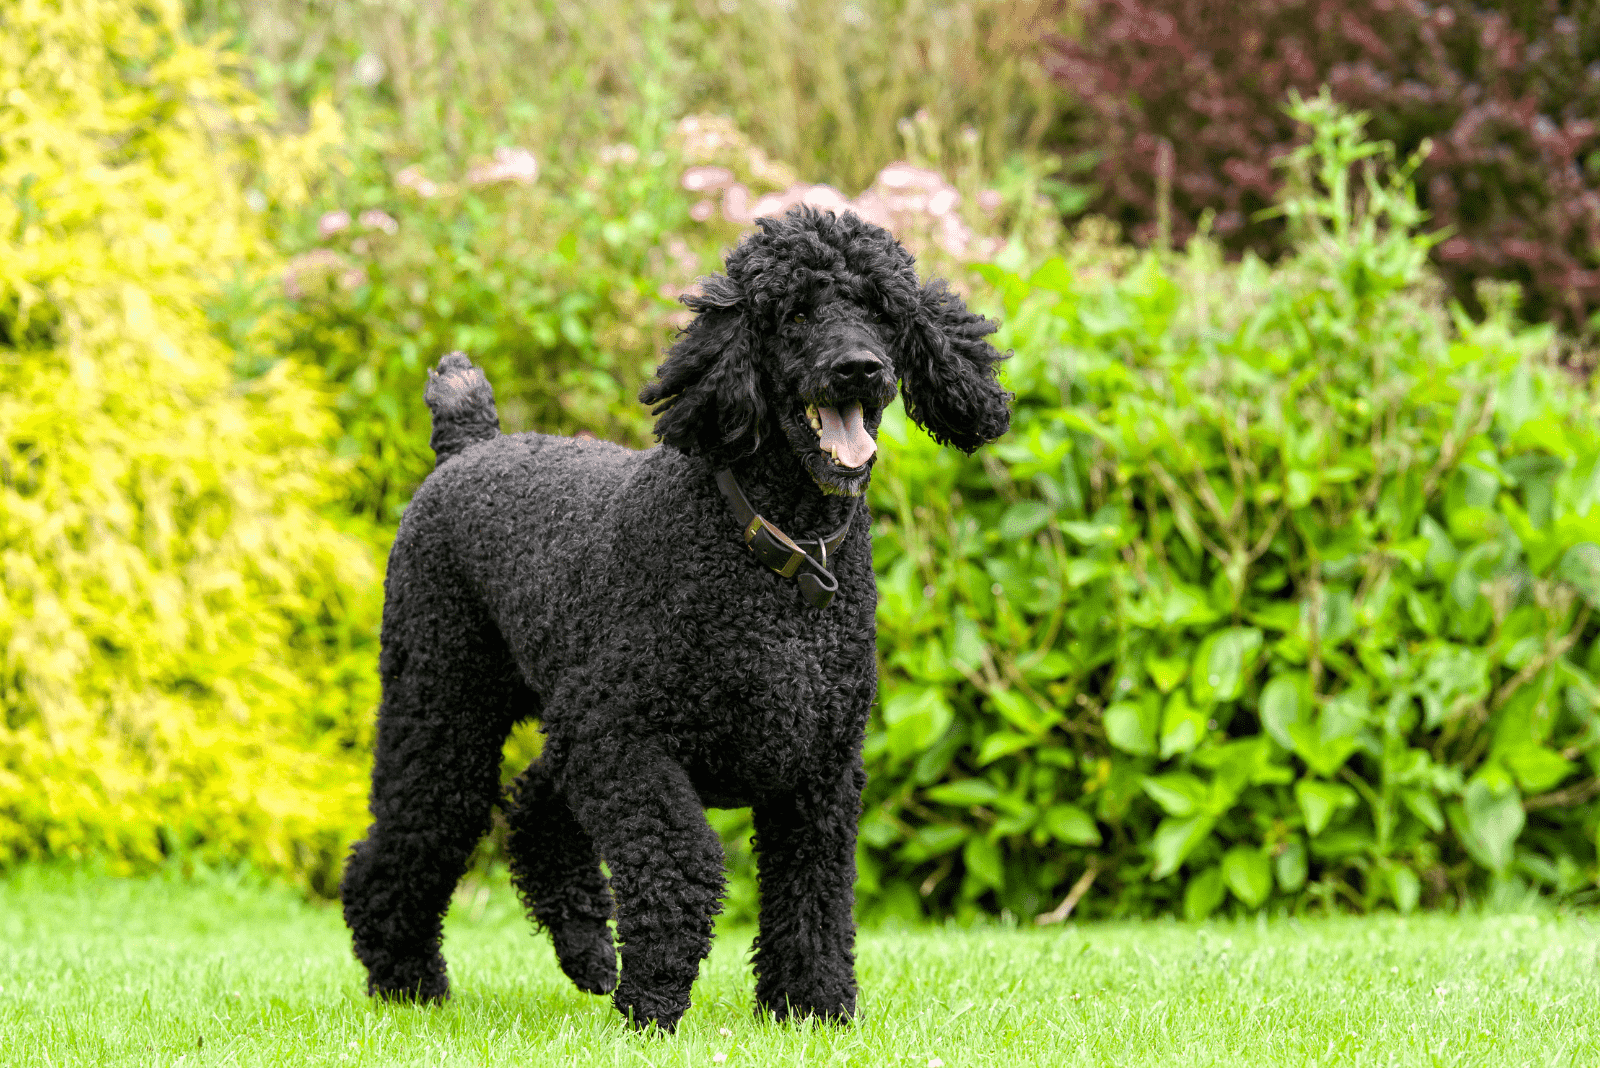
(609, 593)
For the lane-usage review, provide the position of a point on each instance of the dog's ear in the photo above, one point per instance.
(947, 371)
(707, 393)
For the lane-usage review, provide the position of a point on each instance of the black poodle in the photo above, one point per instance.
(692, 625)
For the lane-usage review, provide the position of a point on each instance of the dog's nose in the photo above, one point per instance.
(856, 368)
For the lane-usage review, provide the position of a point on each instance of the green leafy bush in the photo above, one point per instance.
(185, 640)
(1280, 591)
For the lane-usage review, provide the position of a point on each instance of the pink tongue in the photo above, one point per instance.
(844, 436)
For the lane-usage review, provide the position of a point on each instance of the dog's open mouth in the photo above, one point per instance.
(842, 433)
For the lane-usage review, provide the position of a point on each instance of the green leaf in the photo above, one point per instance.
(1222, 664)
(1091, 533)
(1178, 794)
(1053, 665)
(963, 793)
(1131, 727)
(931, 764)
(1325, 756)
(925, 663)
(1085, 569)
(916, 717)
(1404, 887)
(1188, 606)
(1320, 800)
(1425, 807)
(1347, 841)
(1002, 744)
(982, 860)
(1281, 616)
(1246, 871)
(1453, 678)
(1182, 725)
(1285, 702)
(1053, 275)
(1166, 673)
(1203, 894)
(1580, 568)
(1175, 839)
(1537, 768)
(1292, 865)
(1488, 823)
(1424, 612)
(1021, 712)
(1441, 557)
(1247, 761)
(1024, 519)
(966, 642)
(1072, 825)
(932, 841)
(1301, 485)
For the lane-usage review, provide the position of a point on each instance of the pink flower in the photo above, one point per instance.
(736, 204)
(413, 179)
(510, 165)
(702, 179)
(373, 219)
(332, 222)
(702, 210)
(903, 175)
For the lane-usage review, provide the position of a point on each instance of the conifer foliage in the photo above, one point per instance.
(181, 628)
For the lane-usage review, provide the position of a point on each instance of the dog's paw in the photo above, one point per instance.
(588, 958)
(426, 992)
(642, 1008)
(422, 983)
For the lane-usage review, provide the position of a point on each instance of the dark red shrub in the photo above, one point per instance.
(1507, 91)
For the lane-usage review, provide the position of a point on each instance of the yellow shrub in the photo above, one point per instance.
(185, 637)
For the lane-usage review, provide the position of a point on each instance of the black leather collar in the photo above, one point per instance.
(808, 567)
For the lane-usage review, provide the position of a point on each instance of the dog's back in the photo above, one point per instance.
(518, 523)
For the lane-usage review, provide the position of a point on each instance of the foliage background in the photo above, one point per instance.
(1278, 596)
(1279, 590)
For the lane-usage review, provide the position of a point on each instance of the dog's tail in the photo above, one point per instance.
(462, 402)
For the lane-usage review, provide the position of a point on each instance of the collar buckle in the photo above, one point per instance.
(782, 553)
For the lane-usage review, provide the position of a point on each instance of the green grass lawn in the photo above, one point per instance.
(215, 972)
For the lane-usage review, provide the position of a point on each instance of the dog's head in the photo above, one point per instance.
(816, 319)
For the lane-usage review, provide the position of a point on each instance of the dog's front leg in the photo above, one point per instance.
(806, 855)
(666, 870)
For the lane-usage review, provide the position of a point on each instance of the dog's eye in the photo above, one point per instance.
(799, 318)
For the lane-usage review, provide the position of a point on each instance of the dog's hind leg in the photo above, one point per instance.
(449, 689)
(557, 873)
